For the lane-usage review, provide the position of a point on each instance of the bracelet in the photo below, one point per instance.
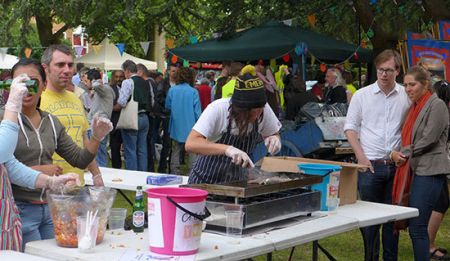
(390, 155)
(96, 176)
(95, 138)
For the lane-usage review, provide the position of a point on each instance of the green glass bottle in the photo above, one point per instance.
(32, 85)
(138, 212)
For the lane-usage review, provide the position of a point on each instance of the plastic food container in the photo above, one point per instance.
(65, 208)
(161, 180)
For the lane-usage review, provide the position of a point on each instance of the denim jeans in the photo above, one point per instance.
(36, 222)
(102, 154)
(135, 145)
(425, 191)
(377, 187)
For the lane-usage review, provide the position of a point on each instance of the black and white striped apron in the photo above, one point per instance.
(216, 169)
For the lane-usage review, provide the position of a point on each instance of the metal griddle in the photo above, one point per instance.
(243, 189)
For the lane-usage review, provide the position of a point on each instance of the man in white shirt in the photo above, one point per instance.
(373, 129)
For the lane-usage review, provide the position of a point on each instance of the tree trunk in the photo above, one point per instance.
(44, 27)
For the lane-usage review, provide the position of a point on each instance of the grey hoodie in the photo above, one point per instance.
(102, 102)
(36, 147)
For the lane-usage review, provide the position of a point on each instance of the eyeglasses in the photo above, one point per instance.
(387, 71)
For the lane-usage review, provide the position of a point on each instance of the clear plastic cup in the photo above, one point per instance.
(332, 204)
(86, 243)
(234, 223)
(116, 219)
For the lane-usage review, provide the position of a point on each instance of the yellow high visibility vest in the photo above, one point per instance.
(228, 88)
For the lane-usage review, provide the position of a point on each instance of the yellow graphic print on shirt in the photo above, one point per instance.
(69, 110)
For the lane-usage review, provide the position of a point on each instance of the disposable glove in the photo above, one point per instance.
(239, 157)
(273, 144)
(101, 126)
(17, 92)
(63, 182)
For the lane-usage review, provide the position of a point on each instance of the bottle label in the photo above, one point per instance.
(138, 218)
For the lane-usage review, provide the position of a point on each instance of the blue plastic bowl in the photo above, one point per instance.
(318, 169)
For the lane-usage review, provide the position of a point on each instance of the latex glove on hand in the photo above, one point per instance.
(16, 94)
(239, 157)
(63, 182)
(273, 144)
(101, 126)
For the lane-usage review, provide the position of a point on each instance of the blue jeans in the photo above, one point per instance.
(36, 222)
(102, 154)
(135, 145)
(377, 187)
(425, 191)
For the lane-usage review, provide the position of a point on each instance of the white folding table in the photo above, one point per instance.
(218, 247)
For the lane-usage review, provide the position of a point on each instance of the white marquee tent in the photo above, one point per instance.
(108, 58)
(7, 61)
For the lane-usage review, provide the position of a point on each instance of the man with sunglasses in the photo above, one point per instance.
(373, 127)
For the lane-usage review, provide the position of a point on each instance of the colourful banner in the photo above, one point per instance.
(416, 36)
(444, 30)
(433, 55)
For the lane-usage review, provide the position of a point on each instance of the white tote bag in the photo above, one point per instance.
(128, 119)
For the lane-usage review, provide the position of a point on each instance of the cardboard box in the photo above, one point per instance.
(348, 180)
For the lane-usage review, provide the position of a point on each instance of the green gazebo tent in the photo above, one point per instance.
(270, 41)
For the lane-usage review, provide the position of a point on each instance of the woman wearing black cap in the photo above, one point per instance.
(229, 129)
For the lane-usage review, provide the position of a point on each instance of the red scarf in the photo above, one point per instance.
(399, 189)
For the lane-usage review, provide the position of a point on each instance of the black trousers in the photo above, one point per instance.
(115, 142)
(151, 138)
(163, 123)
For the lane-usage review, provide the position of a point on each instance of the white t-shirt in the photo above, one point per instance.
(214, 121)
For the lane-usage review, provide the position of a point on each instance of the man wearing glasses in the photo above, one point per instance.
(373, 128)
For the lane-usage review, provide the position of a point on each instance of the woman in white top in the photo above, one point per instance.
(229, 129)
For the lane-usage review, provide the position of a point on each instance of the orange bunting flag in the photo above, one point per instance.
(363, 44)
(174, 59)
(323, 67)
(170, 43)
(27, 52)
(312, 20)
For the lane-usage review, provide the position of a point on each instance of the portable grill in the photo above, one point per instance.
(261, 204)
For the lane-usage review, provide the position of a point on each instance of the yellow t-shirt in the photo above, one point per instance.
(69, 110)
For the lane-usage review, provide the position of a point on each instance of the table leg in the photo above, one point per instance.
(316, 247)
(125, 197)
(330, 257)
(269, 256)
(314, 250)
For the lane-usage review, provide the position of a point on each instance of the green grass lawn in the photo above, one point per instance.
(346, 246)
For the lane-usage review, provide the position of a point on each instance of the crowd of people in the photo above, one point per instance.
(213, 124)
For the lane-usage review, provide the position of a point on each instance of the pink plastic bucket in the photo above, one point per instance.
(175, 219)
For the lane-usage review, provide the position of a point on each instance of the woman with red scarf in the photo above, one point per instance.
(422, 162)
